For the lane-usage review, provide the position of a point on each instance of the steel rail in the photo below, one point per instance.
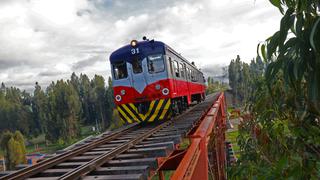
(100, 160)
(46, 164)
(104, 158)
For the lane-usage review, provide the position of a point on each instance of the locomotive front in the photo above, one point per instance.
(140, 81)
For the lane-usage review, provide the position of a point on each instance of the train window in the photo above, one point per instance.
(171, 68)
(188, 73)
(193, 76)
(155, 63)
(182, 70)
(120, 70)
(136, 65)
(176, 68)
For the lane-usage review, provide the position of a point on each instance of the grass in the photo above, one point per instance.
(45, 149)
(167, 175)
(232, 137)
(40, 141)
(184, 144)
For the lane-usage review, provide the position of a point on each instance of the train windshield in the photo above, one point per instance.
(136, 65)
(120, 70)
(155, 63)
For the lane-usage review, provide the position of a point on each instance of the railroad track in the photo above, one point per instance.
(128, 153)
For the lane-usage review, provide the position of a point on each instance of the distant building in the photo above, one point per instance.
(2, 164)
(34, 158)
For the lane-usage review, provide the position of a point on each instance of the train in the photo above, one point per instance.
(152, 82)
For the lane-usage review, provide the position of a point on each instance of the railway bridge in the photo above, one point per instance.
(188, 146)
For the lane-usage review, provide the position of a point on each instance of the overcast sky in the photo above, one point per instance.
(46, 40)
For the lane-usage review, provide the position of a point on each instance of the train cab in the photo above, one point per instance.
(145, 82)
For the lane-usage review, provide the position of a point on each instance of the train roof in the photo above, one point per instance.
(125, 51)
(151, 45)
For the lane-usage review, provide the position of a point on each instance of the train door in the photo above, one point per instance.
(183, 84)
(177, 76)
(188, 84)
(172, 75)
(138, 78)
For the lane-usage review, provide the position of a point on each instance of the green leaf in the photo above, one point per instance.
(315, 36)
(273, 44)
(299, 25)
(262, 48)
(277, 3)
(286, 23)
(263, 51)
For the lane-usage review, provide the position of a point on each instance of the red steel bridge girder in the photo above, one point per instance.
(208, 138)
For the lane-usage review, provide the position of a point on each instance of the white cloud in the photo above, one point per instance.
(45, 40)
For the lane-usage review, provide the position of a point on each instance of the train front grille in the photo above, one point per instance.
(145, 112)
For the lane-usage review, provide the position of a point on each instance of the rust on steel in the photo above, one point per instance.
(48, 163)
(208, 137)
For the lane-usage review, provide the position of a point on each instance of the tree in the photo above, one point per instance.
(5, 137)
(14, 147)
(98, 84)
(85, 92)
(39, 109)
(109, 101)
(64, 111)
(60, 110)
(281, 140)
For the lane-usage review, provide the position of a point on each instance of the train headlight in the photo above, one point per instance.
(165, 91)
(134, 43)
(123, 92)
(158, 87)
(118, 98)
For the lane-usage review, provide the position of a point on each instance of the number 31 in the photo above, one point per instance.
(135, 51)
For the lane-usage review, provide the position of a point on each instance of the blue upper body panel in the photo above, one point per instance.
(138, 80)
(145, 48)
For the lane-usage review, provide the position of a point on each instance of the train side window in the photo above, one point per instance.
(136, 65)
(190, 74)
(170, 64)
(120, 70)
(176, 69)
(182, 70)
(194, 76)
(155, 63)
(187, 73)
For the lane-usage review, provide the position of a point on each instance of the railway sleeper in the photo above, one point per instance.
(128, 137)
(176, 131)
(53, 172)
(68, 165)
(129, 156)
(119, 141)
(81, 159)
(102, 149)
(115, 177)
(161, 144)
(175, 138)
(169, 133)
(122, 170)
(151, 162)
(93, 153)
(111, 145)
(152, 151)
(42, 178)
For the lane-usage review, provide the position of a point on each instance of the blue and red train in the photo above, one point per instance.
(152, 82)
